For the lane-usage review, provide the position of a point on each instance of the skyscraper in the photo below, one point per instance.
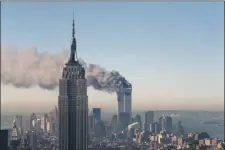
(19, 123)
(149, 118)
(137, 118)
(91, 124)
(33, 119)
(165, 123)
(124, 120)
(73, 104)
(33, 139)
(180, 129)
(124, 98)
(97, 113)
(4, 139)
(114, 122)
(15, 137)
(153, 127)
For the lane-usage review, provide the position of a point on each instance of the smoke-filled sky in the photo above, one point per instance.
(171, 53)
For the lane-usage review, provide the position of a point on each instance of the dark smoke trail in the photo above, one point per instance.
(27, 68)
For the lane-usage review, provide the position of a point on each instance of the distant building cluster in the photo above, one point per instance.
(32, 132)
(42, 134)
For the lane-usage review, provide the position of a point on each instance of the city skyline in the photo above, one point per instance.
(185, 71)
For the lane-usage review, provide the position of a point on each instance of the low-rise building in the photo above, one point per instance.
(201, 142)
(207, 142)
(214, 141)
(180, 141)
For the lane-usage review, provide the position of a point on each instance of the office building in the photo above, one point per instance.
(33, 120)
(19, 123)
(91, 125)
(4, 139)
(15, 137)
(149, 118)
(154, 127)
(180, 129)
(97, 113)
(132, 128)
(33, 139)
(45, 123)
(137, 118)
(124, 120)
(100, 129)
(114, 122)
(56, 118)
(165, 123)
(52, 118)
(73, 104)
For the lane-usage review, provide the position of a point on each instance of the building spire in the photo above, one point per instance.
(73, 28)
(73, 53)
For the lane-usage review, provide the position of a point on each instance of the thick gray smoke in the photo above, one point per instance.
(27, 68)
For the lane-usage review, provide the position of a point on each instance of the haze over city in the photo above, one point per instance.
(173, 60)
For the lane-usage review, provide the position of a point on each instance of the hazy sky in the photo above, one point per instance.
(172, 53)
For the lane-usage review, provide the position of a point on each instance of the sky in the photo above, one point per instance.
(172, 53)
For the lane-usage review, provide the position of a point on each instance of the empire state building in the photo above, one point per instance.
(73, 104)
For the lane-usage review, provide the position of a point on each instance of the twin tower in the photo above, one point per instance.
(124, 98)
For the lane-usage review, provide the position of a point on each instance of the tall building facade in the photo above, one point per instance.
(33, 119)
(33, 139)
(154, 128)
(45, 121)
(97, 113)
(124, 120)
(15, 137)
(149, 119)
(114, 122)
(19, 123)
(73, 104)
(180, 129)
(124, 98)
(91, 125)
(137, 118)
(52, 118)
(4, 139)
(165, 123)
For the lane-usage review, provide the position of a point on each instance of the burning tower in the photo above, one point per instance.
(124, 98)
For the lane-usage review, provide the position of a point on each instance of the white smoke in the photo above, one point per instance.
(27, 68)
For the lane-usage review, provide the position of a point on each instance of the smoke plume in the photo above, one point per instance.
(27, 68)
